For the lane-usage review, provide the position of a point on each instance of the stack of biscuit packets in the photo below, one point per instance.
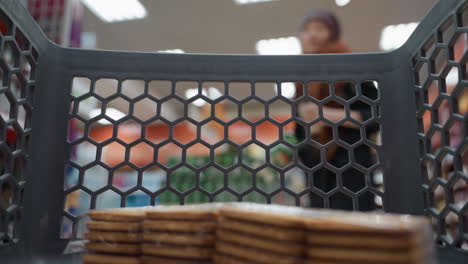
(241, 233)
(253, 233)
(342, 237)
(114, 236)
(180, 234)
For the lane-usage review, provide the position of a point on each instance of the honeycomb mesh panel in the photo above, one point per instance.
(18, 61)
(147, 142)
(442, 114)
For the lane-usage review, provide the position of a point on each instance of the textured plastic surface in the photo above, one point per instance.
(401, 92)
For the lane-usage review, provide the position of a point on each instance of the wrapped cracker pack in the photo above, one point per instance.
(180, 234)
(241, 233)
(114, 236)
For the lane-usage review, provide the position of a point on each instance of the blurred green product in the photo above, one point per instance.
(239, 179)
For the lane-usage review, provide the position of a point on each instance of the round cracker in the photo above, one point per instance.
(263, 217)
(266, 231)
(255, 255)
(126, 237)
(359, 240)
(331, 261)
(180, 238)
(359, 254)
(181, 215)
(180, 226)
(165, 260)
(177, 251)
(91, 258)
(118, 248)
(281, 247)
(227, 259)
(341, 225)
(114, 226)
(118, 215)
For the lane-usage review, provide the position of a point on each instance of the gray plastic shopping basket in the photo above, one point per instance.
(35, 146)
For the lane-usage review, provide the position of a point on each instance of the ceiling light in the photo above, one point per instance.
(248, 2)
(342, 2)
(179, 51)
(279, 46)
(394, 36)
(115, 11)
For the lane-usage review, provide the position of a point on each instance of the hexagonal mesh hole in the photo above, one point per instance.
(159, 89)
(141, 154)
(268, 180)
(145, 109)
(316, 89)
(197, 155)
(133, 88)
(95, 178)
(182, 179)
(240, 180)
(240, 90)
(137, 198)
(124, 179)
(255, 197)
(105, 87)
(323, 179)
(196, 197)
(225, 197)
(108, 199)
(212, 180)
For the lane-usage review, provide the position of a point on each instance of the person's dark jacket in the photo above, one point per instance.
(354, 180)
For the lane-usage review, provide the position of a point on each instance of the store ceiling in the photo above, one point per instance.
(221, 26)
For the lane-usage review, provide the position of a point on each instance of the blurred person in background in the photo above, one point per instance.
(320, 33)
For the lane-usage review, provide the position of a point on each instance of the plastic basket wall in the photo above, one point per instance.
(392, 88)
(18, 64)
